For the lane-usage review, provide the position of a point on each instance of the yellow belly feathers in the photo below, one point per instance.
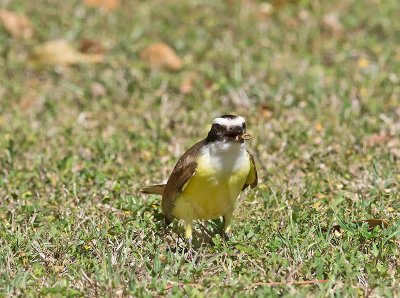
(213, 190)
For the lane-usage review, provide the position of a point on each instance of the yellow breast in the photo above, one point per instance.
(214, 187)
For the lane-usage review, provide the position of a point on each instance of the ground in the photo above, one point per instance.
(317, 81)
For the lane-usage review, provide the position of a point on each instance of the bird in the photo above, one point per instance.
(209, 177)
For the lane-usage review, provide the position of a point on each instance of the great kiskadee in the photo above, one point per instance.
(209, 177)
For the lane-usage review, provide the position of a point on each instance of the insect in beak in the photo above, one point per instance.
(243, 137)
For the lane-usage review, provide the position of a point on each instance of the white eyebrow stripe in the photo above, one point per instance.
(238, 121)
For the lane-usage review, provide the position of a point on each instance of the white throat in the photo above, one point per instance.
(226, 157)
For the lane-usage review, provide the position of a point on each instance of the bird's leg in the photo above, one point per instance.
(188, 230)
(227, 223)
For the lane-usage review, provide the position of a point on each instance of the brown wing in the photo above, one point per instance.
(183, 171)
(252, 178)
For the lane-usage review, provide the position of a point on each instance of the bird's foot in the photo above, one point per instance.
(189, 242)
(226, 235)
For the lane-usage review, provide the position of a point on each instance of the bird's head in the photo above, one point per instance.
(228, 128)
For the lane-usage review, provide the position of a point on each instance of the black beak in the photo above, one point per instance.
(235, 131)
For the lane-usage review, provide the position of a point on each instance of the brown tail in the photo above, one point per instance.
(153, 189)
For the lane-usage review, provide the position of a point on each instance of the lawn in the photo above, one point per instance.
(319, 85)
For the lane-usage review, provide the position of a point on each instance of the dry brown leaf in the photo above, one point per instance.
(266, 112)
(372, 223)
(160, 55)
(108, 5)
(376, 139)
(90, 46)
(61, 52)
(16, 24)
(26, 102)
(278, 4)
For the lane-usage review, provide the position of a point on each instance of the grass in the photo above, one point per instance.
(321, 98)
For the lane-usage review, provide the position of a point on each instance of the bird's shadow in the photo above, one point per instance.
(173, 234)
(203, 233)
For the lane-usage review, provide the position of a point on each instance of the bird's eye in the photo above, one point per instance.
(217, 126)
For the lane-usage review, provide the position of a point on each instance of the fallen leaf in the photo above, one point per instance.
(208, 84)
(61, 52)
(108, 5)
(266, 112)
(160, 55)
(90, 46)
(278, 4)
(16, 24)
(372, 223)
(376, 139)
(26, 102)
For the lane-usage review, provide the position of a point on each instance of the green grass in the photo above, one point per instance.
(71, 220)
